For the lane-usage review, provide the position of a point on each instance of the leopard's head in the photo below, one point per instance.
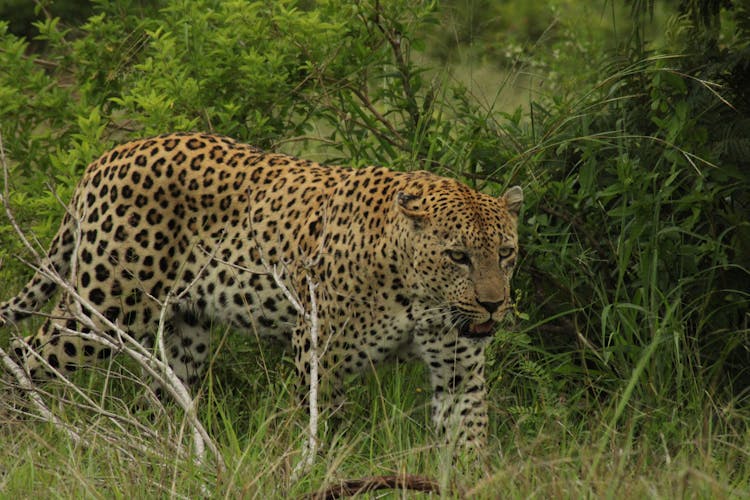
(463, 247)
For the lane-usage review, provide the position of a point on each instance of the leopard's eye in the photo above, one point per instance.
(506, 252)
(458, 256)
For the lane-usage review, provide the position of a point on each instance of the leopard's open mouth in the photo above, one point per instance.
(475, 330)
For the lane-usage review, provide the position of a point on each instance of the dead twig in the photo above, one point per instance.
(310, 446)
(353, 487)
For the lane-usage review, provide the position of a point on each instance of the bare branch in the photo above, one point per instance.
(365, 99)
(353, 487)
(310, 451)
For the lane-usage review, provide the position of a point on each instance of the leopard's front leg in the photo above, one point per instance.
(459, 403)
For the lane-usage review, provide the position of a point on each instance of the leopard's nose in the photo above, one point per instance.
(491, 307)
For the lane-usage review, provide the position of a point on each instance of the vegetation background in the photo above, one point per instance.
(627, 370)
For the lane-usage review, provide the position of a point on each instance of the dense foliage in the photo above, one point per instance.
(634, 155)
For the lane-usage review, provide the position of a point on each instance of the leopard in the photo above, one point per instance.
(190, 230)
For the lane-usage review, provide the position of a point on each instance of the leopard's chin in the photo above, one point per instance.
(474, 330)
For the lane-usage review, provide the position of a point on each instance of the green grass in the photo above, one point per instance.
(576, 447)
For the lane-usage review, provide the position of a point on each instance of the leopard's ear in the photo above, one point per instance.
(410, 205)
(514, 199)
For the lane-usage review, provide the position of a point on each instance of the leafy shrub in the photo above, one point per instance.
(637, 232)
(259, 72)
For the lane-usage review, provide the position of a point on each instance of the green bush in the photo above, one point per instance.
(637, 231)
(263, 73)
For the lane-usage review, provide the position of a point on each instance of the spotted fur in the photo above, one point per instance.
(406, 264)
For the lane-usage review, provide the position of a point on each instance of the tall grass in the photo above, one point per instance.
(580, 448)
